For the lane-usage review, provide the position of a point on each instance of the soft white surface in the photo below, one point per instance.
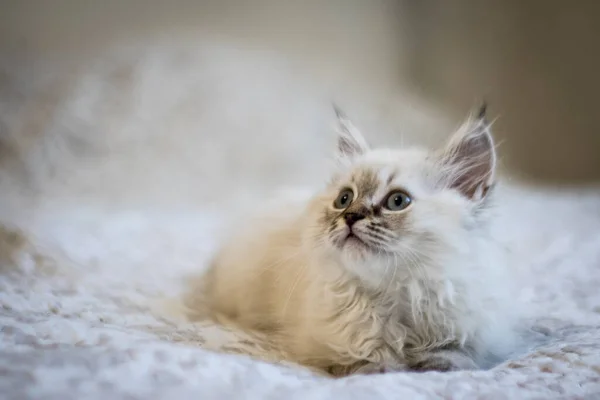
(117, 175)
(84, 328)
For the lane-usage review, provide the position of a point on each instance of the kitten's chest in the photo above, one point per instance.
(409, 321)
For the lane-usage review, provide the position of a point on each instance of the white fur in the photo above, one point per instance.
(439, 281)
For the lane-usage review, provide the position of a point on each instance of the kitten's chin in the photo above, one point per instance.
(354, 242)
(353, 248)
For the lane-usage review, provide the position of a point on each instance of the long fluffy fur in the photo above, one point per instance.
(430, 294)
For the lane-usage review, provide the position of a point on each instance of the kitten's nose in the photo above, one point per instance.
(351, 218)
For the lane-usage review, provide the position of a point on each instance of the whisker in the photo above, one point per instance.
(378, 236)
(393, 280)
(296, 281)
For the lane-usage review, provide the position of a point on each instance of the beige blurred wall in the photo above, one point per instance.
(355, 36)
(535, 62)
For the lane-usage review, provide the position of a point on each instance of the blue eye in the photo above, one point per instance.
(344, 199)
(397, 201)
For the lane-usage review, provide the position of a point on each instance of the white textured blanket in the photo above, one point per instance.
(75, 311)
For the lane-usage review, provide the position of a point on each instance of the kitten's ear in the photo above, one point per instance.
(469, 159)
(350, 142)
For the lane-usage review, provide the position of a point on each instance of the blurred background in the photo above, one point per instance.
(211, 100)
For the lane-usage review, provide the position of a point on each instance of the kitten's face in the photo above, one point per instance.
(385, 213)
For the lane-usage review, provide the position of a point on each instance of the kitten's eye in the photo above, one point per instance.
(344, 199)
(397, 201)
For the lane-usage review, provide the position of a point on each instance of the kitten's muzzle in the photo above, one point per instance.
(352, 218)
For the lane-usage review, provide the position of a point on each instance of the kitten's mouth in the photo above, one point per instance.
(353, 240)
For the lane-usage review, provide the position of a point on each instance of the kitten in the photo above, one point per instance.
(390, 267)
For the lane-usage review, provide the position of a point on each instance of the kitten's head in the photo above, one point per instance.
(387, 208)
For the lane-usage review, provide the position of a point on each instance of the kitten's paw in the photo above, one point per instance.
(364, 369)
(435, 364)
(444, 361)
(370, 369)
(379, 369)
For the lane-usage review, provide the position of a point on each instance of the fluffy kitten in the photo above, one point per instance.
(390, 267)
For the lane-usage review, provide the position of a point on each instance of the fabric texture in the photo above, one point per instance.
(79, 288)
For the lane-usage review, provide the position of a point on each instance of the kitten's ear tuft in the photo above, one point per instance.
(469, 159)
(482, 110)
(350, 142)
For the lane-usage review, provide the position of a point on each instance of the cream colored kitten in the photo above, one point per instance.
(389, 267)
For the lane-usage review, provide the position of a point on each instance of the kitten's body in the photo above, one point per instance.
(420, 287)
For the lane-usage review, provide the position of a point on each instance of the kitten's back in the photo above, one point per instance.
(255, 270)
